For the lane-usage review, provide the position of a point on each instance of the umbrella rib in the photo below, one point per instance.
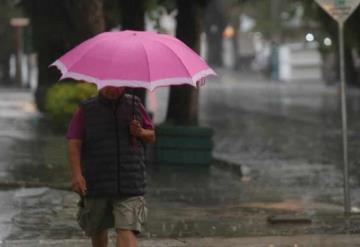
(80, 76)
(177, 57)
(147, 61)
(101, 76)
(79, 58)
(179, 42)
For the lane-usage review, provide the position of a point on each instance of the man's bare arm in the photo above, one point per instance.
(74, 153)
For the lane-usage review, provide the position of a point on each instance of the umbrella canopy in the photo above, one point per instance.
(133, 59)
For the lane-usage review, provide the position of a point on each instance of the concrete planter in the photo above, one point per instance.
(183, 145)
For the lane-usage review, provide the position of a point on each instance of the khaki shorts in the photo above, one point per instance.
(98, 214)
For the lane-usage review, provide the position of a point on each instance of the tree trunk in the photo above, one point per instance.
(111, 14)
(184, 100)
(133, 18)
(63, 25)
(132, 14)
(214, 25)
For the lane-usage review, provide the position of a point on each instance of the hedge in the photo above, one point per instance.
(63, 98)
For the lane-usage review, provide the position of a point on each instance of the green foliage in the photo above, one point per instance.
(63, 98)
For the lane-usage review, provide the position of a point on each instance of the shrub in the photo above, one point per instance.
(63, 98)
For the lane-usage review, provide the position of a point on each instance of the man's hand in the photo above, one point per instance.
(136, 130)
(78, 184)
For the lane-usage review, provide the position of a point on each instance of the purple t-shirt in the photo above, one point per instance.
(76, 129)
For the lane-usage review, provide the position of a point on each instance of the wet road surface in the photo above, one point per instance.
(286, 136)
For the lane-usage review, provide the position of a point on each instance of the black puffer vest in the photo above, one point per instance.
(112, 165)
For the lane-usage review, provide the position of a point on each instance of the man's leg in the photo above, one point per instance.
(100, 239)
(95, 217)
(125, 238)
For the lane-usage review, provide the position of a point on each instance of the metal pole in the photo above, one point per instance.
(347, 202)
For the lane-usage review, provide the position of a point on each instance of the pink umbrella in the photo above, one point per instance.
(133, 59)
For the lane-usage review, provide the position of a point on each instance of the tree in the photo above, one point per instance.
(132, 14)
(133, 18)
(59, 25)
(184, 100)
(112, 14)
(214, 24)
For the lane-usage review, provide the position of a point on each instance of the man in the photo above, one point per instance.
(105, 146)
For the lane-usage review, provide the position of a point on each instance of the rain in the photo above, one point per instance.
(272, 118)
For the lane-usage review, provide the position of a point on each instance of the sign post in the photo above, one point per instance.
(341, 10)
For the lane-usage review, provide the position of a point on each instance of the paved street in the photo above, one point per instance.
(285, 138)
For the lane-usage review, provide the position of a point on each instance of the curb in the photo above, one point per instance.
(229, 166)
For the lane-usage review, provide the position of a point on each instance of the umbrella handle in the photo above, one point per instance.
(134, 143)
(133, 104)
(133, 138)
